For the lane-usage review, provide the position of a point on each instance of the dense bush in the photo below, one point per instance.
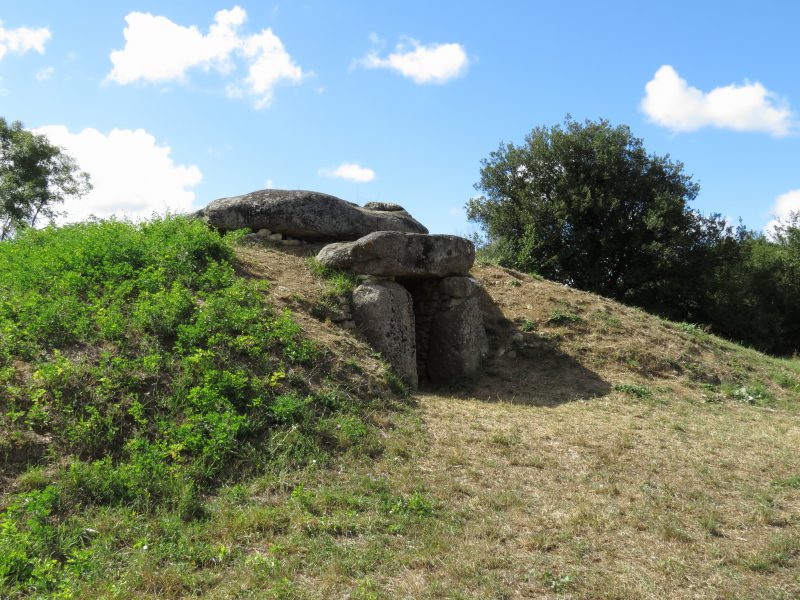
(153, 372)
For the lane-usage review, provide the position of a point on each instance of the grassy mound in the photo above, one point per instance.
(139, 373)
(169, 429)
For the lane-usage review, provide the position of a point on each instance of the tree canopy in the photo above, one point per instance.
(585, 204)
(35, 176)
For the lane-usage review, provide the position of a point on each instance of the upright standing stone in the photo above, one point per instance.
(457, 342)
(383, 312)
(451, 339)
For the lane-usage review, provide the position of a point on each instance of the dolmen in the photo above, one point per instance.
(416, 303)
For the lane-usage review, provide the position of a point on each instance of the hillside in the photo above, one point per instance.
(601, 453)
(551, 344)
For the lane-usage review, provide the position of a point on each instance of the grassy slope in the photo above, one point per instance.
(605, 453)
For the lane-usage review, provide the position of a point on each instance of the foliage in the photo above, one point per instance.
(35, 175)
(753, 295)
(584, 204)
(155, 373)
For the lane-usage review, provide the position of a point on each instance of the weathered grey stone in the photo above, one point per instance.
(451, 337)
(458, 287)
(383, 313)
(384, 206)
(305, 215)
(457, 343)
(341, 314)
(401, 255)
(263, 232)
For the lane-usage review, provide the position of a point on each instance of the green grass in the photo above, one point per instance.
(152, 375)
(338, 283)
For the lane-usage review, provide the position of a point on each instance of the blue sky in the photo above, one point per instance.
(174, 104)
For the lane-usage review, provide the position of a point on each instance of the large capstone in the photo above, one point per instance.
(383, 312)
(306, 215)
(401, 255)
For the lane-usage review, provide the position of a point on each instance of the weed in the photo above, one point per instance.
(558, 583)
(395, 384)
(528, 325)
(754, 393)
(416, 505)
(632, 389)
(779, 553)
(564, 317)
(688, 328)
(792, 482)
(787, 383)
(504, 439)
(711, 522)
(608, 322)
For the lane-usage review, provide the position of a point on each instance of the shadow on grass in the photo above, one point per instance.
(524, 368)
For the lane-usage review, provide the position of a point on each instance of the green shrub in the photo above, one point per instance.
(155, 372)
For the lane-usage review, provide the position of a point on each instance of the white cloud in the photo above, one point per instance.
(349, 171)
(431, 63)
(45, 74)
(784, 206)
(671, 102)
(22, 40)
(270, 63)
(132, 174)
(158, 50)
(457, 211)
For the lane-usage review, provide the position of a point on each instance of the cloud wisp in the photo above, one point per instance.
(158, 51)
(671, 102)
(22, 40)
(785, 205)
(45, 73)
(133, 176)
(422, 63)
(350, 172)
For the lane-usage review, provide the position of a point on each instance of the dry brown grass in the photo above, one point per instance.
(579, 345)
(604, 453)
(615, 498)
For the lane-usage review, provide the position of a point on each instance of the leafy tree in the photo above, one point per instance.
(35, 176)
(586, 205)
(753, 295)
